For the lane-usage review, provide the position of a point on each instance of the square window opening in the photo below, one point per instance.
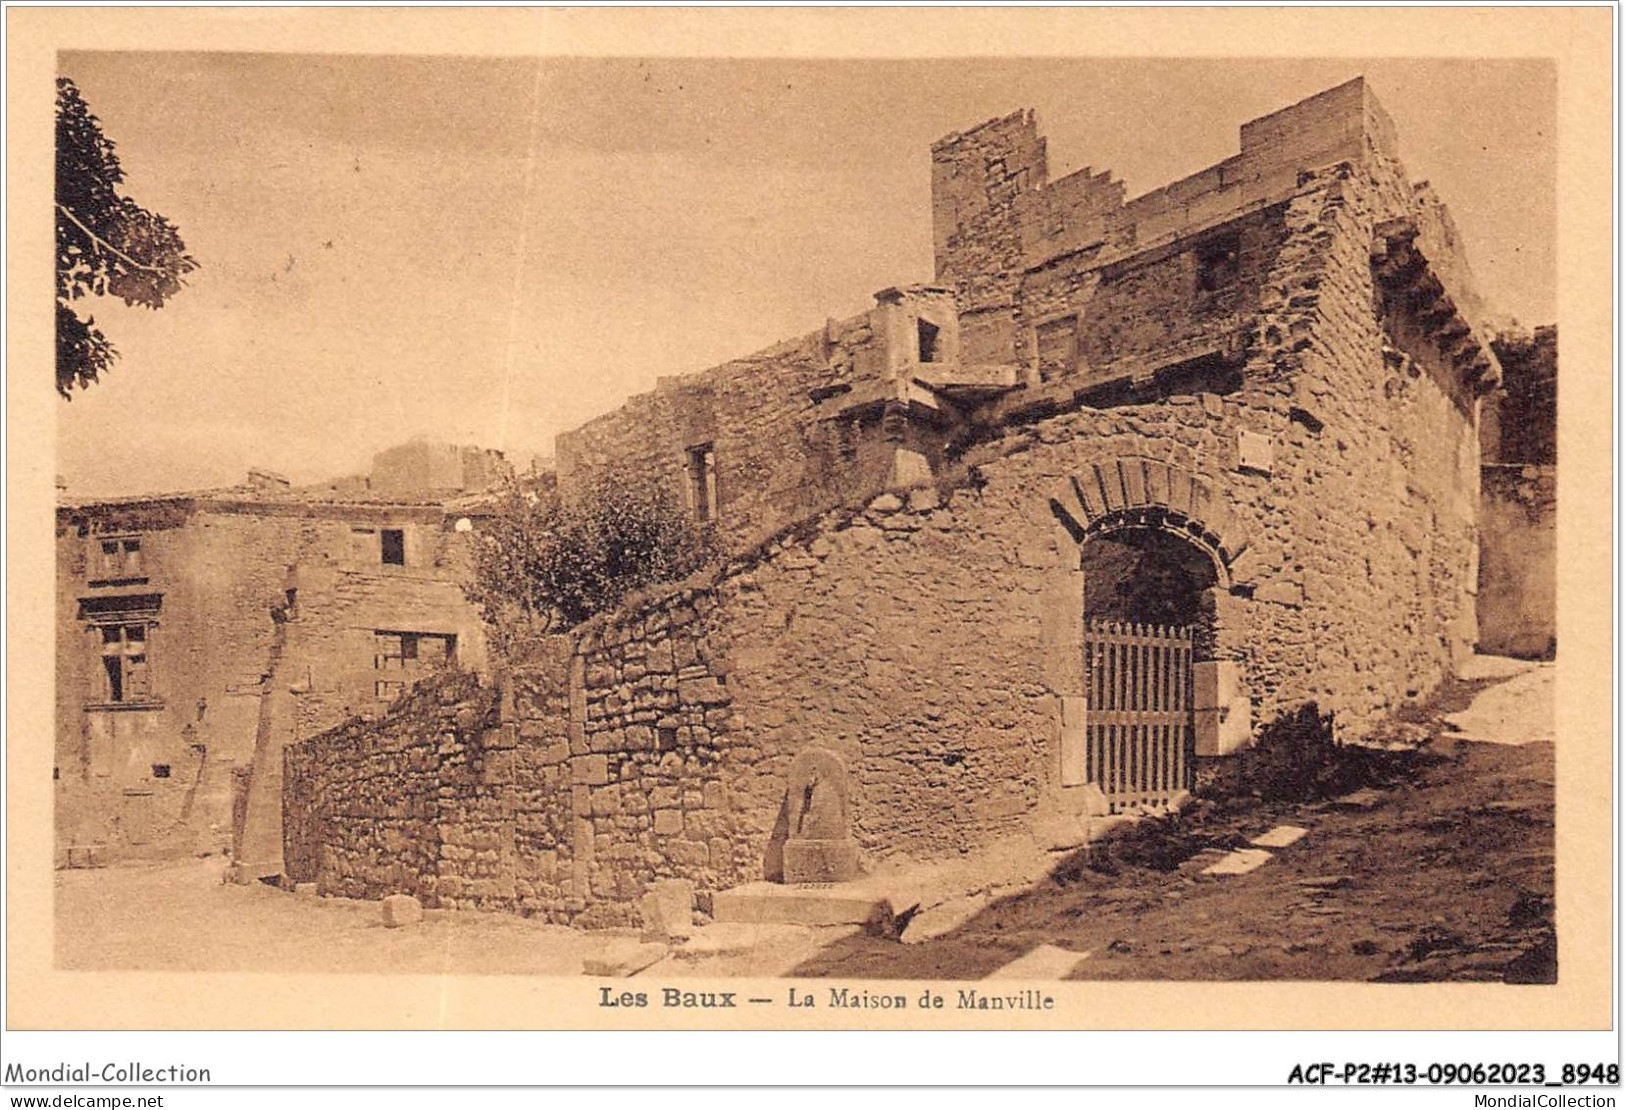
(118, 558)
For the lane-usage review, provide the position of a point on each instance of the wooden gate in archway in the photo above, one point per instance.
(1140, 735)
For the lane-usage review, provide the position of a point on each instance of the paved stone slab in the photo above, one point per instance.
(938, 920)
(1239, 862)
(668, 910)
(1364, 798)
(777, 904)
(1044, 962)
(1279, 837)
(623, 959)
(737, 939)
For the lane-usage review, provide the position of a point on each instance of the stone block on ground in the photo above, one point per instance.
(400, 910)
(1364, 798)
(936, 921)
(1058, 831)
(820, 861)
(668, 910)
(775, 904)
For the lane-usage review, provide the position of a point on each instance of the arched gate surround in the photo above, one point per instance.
(1126, 493)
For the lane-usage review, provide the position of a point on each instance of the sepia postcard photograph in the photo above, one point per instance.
(552, 532)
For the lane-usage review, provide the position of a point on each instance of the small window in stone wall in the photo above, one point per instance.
(1057, 342)
(930, 335)
(392, 547)
(1218, 263)
(702, 481)
(117, 559)
(402, 658)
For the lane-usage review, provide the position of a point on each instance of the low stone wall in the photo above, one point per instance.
(401, 804)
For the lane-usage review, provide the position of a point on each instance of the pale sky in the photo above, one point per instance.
(493, 251)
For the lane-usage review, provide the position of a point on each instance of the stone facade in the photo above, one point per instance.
(1517, 569)
(197, 631)
(1246, 403)
(783, 434)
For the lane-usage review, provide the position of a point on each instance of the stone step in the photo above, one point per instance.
(1044, 962)
(1239, 862)
(765, 903)
(1281, 836)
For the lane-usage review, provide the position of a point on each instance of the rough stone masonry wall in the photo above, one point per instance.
(222, 566)
(1517, 588)
(1385, 509)
(410, 804)
(779, 454)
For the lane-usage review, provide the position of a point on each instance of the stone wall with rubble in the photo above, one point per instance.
(402, 805)
(927, 639)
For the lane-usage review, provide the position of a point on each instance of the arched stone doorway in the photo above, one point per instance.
(1154, 549)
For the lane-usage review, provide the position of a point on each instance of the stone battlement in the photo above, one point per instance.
(992, 199)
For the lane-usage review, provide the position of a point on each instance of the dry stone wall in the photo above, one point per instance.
(409, 804)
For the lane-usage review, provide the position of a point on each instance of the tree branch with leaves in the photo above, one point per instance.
(106, 243)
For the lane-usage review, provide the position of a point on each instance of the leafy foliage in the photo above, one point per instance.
(542, 565)
(106, 243)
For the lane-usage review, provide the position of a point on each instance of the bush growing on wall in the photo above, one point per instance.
(543, 566)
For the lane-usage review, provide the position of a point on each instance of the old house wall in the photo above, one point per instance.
(162, 774)
(1517, 585)
(126, 771)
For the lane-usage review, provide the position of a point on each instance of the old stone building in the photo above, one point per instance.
(197, 632)
(1047, 539)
